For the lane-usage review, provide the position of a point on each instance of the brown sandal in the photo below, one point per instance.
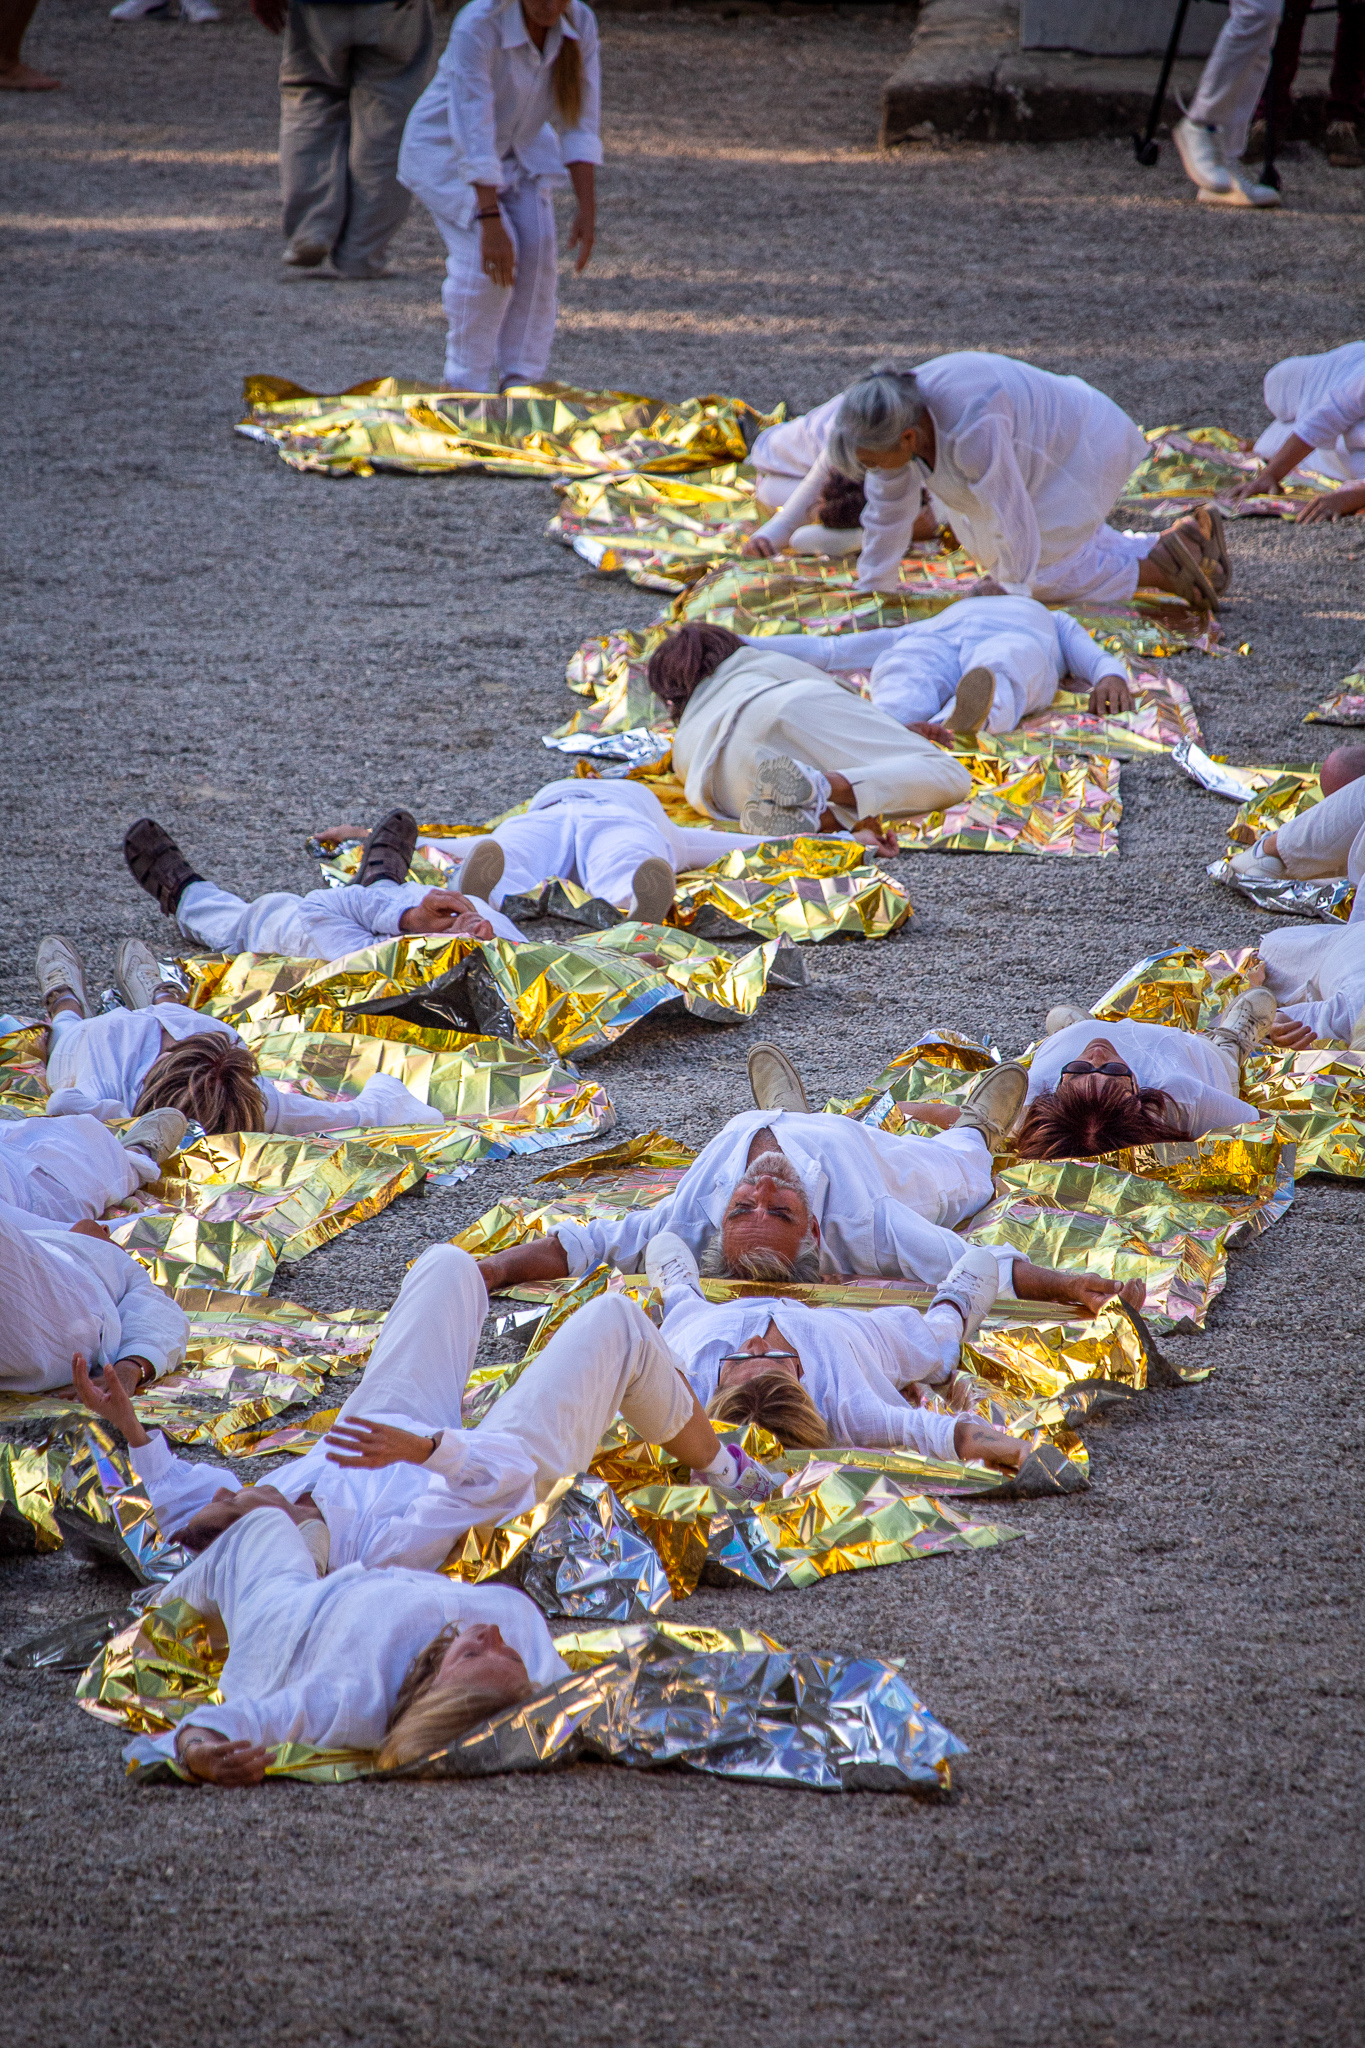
(1211, 548)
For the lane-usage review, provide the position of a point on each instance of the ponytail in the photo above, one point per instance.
(568, 81)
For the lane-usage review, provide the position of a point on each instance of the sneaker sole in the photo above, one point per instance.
(654, 888)
(780, 781)
(975, 696)
(767, 820)
(482, 869)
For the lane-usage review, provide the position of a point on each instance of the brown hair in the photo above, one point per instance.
(686, 659)
(428, 1716)
(1095, 1113)
(841, 503)
(210, 1078)
(568, 80)
(779, 1404)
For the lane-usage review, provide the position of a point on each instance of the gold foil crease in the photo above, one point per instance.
(1193, 466)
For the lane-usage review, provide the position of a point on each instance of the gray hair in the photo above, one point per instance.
(875, 412)
(761, 1263)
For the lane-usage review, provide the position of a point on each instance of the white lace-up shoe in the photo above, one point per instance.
(970, 1288)
(1241, 192)
(1256, 864)
(1201, 152)
(670, 1265)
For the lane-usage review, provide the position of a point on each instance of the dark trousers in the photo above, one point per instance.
(1346, 86)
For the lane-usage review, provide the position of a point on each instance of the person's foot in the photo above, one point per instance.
(787, 798)
(137, 10)
(1344, 151)
(1254, 863)
(362, 273)
(1181, 571)
(199, 10)
(653, 889)
(157, 864)
(19, 77)
(389, 853)
(994, 1105)
(1061, 1016)
(970, 1288)
(1245, 1022)
(972, 706)
(61, 974)
(1201, 152)
(481, 870)
(138, 973)
(835, 541)
(669, 1264)
(306, 255)
(1243, 191)
(159, 1134)
(774, 1080)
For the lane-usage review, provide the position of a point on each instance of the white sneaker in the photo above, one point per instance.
(670, 1265)
(157, 1132)
(134, 10)
(1201, 152)
(1251, 861)
(970, 1288)
(199, 10)
(1241, 192)
(1062, 1016)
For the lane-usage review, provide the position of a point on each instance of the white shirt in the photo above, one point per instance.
(1321, 397)
(1189, 1068)
(62, 1292)
(883, 1204)
(489, 116)
(98, 1067)
(853, 1362)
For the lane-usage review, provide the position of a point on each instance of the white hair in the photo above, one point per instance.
(874, 413)
(760, 1262)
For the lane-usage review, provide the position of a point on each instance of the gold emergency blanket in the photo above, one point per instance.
(1192, 466)
(1316, 1097)
(1027, 797)
(721, 1701)
(1345, 706)
(567, 1001)
(544, 430)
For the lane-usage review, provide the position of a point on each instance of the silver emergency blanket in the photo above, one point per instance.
(589, 1562)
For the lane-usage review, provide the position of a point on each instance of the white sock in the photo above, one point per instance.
(723, 1469)
(944, 1324)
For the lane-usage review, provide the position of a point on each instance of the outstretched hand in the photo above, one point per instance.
(974, 1440)
(368, 1445)
(447, 912)
(1287, 1031)
(1110, 697)
(930, 729)
(213, 1759)
(104, 1394)
(758, 544)
(1333, 505)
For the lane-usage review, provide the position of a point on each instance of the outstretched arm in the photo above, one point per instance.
(1087, 1292)
(544, 1258)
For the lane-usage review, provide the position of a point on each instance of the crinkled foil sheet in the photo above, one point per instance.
(23, 1072)
(664, 532)
(1345, 706)
(532, 430)
(1026, 798)
(1192, 466)
(1273, 797)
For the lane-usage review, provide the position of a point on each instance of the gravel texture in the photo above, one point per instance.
(1156, 1836)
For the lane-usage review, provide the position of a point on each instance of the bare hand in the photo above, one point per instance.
(1090, 1291)
(1258, 486)
(105, 1394)
(1255, 974)
(1333, 505)
(372, 1444)
(930, 729)
(944, 1114)
(758, 544)
(446, 911)
(1289, 1032)
(498, 254)
(872, 837)
(996, 1447)
(332, 835)
(271, 14)
(214, 1760)
(582, 235)
(1110, 697)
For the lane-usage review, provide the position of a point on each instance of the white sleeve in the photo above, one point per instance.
(473, 117)
(383, 1100)
(476, 1476)
(582, 144)
(1342, 409)
(986, 456)
(1083, 655)
(888, 522)
(376, 910)
(151, 1325)
(176, 1488)
(618, 1241)
(835, 653)
(1333, 1018)
(312, 1710)
(784, 522)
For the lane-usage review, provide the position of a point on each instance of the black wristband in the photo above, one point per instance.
(496, 214)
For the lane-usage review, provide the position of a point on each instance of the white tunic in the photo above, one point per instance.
(884, 1205)
(1190, 1068)
(98, 1065)
(854, 1362)
(915, 669)
(489, 117)
(62, 1292)
(1321, 399)
(322, 1660)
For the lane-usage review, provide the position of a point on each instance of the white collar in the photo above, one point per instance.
(515, 32)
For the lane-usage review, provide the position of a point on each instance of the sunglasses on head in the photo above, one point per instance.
(1114, 1067)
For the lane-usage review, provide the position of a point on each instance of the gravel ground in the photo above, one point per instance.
(1156, 1835)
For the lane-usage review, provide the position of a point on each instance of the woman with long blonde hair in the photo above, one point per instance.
(513, 108)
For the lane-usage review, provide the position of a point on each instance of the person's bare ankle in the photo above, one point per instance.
(60, 999)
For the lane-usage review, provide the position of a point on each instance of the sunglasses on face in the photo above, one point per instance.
(753, 1357)
(1116, 1068)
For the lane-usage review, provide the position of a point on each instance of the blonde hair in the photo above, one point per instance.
(210, 1078)
(779, 1404)
(568, 81)
(428, 1716)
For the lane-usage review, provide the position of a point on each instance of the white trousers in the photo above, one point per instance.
(608, 1358)
(1104, 571)
(67, 1169)
(1329, 839)
(891, 771)
(589, 843)
(277, 923)
(502, 334)
(1231, 81)
(914, 678)
(1316, 973)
